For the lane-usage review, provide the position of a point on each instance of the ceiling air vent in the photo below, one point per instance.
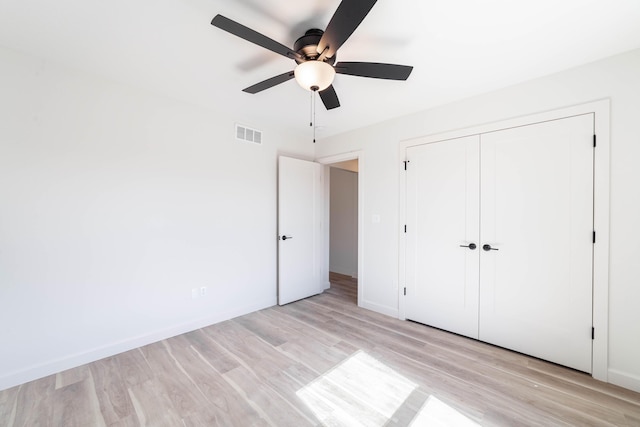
(244, 133)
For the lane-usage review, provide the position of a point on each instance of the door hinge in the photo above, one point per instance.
(594, 140)
(405, 164)
(593, 333)
(405, 228)
(594, 236)
(405, 291)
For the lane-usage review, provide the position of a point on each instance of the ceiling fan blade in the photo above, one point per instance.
(253, 36)
(330, 98)
(374, 69)
(266, 84)
(345, 20)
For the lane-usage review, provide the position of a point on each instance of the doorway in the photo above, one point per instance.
(348, 281)
(343, 227)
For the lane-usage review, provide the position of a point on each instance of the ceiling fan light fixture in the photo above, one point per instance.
(314, 75)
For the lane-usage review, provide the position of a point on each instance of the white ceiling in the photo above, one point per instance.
(459, 48)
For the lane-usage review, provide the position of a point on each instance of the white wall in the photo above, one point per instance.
(615, 78)
(343, 255)
(114, 204)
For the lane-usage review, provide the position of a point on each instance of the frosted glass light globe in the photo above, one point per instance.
(314, 73)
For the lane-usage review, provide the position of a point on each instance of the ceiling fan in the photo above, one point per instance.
(315, 53)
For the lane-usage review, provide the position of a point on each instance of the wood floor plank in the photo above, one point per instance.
(34, 405)
(72, 376)
(153, 405)
(273, 408)
(232, 337)
(316, 356)
(311, 315)
(134, 369)
(129, 421)
(223, 405)
(271, 333)
(214, 353)
(583, 381)
(290, 320)
(405, 414)
(280, 374)
(76, 405)
(8, 404)
(111, 391)
(251, 350)
(319, 361)
(172, 378)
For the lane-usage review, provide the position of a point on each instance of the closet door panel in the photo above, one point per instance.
(537, 211)
(442, 214)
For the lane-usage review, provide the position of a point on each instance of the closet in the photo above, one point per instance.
(499, 242)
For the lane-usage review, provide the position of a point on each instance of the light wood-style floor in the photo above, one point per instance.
(320, 361)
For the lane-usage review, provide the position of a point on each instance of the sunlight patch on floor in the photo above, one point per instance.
(360, 391)
(435, 413)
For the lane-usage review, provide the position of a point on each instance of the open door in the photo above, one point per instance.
(300, 229)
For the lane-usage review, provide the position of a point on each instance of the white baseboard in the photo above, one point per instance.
(341, 269)
(624, 379)
(49, 368)
(382, 309)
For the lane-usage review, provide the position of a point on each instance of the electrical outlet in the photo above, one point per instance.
(203, 291)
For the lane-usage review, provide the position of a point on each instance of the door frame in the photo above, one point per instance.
(601, 189)
(327, 161)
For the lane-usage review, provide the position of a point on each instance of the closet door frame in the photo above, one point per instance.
(601, 188)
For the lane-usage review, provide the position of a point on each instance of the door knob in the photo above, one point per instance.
(471, 246)
(287, 237)
(489, 248)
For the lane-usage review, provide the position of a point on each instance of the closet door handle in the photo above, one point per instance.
(471, 246)
(489, 248)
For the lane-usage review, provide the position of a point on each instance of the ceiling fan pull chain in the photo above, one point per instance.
(311, 109)
(313, 101)
(314, 89)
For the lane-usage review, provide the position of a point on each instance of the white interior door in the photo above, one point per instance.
(300, 213)
(442, 217)
(537, 211)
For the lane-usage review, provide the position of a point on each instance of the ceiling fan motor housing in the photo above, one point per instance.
(307, 46)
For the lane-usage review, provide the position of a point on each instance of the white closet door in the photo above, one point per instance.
(442, 215)
(537, 210)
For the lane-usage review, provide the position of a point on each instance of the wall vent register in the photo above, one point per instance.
(244, 133)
